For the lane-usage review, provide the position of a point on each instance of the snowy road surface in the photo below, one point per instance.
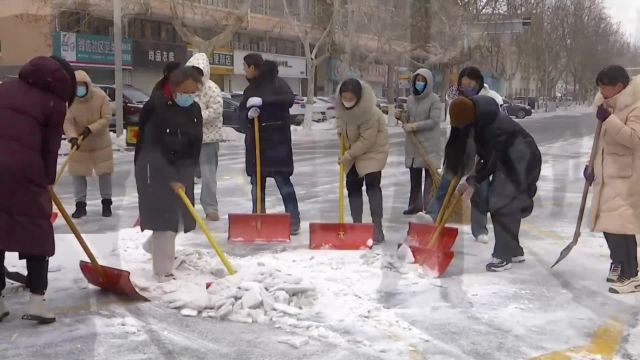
(523, 313)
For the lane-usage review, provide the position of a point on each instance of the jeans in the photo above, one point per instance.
(287, 191)
(624, 251)
(208, 172)
(37, 274)
(80, 187)
(479, 204)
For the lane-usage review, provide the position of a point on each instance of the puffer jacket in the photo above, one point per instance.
(615, 206)
(365, 127)
(425, 112)
(210, 101)
(93, 111)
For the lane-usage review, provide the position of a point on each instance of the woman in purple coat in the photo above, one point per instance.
(32, 112)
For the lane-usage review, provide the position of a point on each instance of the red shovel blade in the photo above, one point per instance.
(436, 261)
(340, 236)
(54, 217)
(261, 228)
(420, 235)
(110, 279)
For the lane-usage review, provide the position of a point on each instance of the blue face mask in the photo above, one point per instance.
(81, 91)
(420, 86)
(185, 100)
(469, 92)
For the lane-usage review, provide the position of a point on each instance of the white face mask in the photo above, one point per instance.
(349, 104)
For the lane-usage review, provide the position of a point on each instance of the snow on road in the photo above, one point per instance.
(350, 302)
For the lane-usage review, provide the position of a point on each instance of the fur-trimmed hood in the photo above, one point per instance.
(627, 97)
(365, 110)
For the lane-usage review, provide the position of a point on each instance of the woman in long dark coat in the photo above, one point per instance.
(32, 112)
(167, 154)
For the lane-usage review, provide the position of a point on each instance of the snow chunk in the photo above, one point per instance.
(294, 341)
(289, 310)
(188, 312)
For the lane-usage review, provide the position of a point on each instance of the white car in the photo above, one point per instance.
(299, 107)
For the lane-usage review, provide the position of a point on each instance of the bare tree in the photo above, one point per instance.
(232, 19)
(313, 36)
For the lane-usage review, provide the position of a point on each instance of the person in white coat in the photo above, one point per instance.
(210, 101)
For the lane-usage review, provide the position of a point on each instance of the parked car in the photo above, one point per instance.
(329, 106)
(401, 103)
(527, 100)
(516, 110)
(299, 107)
(382, 105)
(230, 116)
(132, 101)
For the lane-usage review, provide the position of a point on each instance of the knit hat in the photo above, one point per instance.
(462, 112)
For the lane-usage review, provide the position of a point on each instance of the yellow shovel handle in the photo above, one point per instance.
(256, 130)
(341, 183)
(66, 162)
(435, 239)
(445, 204)
(206, 232)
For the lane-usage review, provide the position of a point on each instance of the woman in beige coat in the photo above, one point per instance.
(364, 128)
(615, 207)
(87, 128)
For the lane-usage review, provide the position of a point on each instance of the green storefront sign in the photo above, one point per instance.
(90, 50)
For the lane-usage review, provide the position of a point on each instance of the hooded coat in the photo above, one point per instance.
(615, 206)
(93, 111)
(425, 112)
(32, 111)
(365, 130)
(509, 157)
(210, 101)
(275, 129)
(167, 151)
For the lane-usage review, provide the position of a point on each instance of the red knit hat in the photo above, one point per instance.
(462, 112)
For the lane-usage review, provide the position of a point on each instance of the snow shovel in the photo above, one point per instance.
(15, 276)
(259, 227)
(110, 279)
(340, 236)
(431, 244)
(54, 215)
(206, 232)
(583, 203)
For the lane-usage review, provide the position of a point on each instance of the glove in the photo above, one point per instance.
(466, 184)
(176, 186)
(409, 127)
(86, 132)
(346, 158)
(588, 175)
(254, 112)
(74, 143)
(254, 102)
(602, 114)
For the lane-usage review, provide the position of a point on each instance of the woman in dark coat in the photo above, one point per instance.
(166, 157)
(32, 112)
(269, 97)
(509, 159)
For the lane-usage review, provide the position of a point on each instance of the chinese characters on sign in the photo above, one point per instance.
(222, 59)
(161, 56)
(87, 49)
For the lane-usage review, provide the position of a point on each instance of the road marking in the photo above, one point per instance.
(604, 343)
(541, 232)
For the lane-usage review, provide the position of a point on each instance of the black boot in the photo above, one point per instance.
(106, 207)
(81, 210)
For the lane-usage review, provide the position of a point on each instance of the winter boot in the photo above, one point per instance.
(81, 210)
(295, 228)
(213, 216)
(614, 272)
(4, 310)
(38, 310)
(378, 233)
(625, 286)
(106, 207)
(498, 265)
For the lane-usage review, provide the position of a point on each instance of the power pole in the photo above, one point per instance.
(117, 40)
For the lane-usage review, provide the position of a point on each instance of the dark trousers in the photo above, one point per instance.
(287, 191)
(374, 193)
(506, 230)
(419, 200)
(37, 272)
(624, 250)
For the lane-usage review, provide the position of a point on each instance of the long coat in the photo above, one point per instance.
(32, 111)
(615, 206)
(425, 112)
(92, 111)
(167, 151)
(365, 129)
(509, 157)
(275, 129)
(210, 101)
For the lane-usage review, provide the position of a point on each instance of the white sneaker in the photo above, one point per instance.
(147, 246)
(38, 310)
(518, 259)
(4, 310)
(423, 218)
(483, 239)
(625, 286)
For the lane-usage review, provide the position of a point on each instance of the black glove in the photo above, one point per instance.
(86, 132)
(74, 143)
